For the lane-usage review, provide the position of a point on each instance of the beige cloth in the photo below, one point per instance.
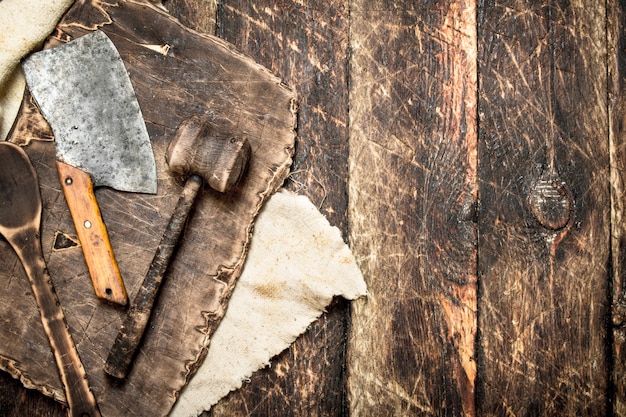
(297, 263)
(40, 17)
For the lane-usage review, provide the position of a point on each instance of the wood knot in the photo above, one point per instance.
(550, 202)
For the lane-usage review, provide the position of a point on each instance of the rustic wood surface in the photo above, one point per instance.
(500, 253)
(198, 76)
(544, 220)
(413, 191)
(306, 45)
(616, 44)
(20, 225)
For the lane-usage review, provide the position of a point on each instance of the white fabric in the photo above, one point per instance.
(25, 24)
(297, 263)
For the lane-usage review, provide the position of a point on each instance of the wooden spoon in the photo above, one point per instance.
(20, 219)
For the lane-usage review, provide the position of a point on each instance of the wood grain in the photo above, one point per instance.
(217, 162)
(199, 15)
(306, 45)
(20, 224)
(542, 206)
(18, 401)
(616, 44)
(543, 284)
(412, 207)
(120, 358)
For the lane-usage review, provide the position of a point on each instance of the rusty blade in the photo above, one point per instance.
(83, 90)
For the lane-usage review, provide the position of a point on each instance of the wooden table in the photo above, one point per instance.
(473, 155)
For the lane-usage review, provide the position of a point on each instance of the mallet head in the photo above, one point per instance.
(220, 161)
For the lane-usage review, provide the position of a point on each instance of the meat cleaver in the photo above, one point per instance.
(84, 92)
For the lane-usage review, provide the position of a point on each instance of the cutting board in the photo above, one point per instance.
(176, 73)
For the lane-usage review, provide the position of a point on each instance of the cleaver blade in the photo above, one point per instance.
(83, 90)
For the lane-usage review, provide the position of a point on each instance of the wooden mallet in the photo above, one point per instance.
(194, 151)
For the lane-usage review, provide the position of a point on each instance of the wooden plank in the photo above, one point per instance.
(532, 333)
(412, 206)
(17, 401)
(199, 15)
(544, 219)
(306, 45)
(617, 133)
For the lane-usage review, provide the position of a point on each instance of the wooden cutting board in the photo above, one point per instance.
(176, 73)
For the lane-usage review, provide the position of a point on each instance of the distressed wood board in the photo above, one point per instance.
(176, 73)
(545, 211)
(616, 39)
(533, 58)
(413, 118)
(305, 44)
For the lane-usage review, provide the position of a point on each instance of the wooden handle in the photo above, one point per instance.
(130, 334)
(80, 399)
(92, 233)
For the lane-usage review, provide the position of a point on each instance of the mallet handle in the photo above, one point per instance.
(219, 161)
(130, 334)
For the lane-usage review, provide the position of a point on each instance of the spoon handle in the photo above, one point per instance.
(80, 399)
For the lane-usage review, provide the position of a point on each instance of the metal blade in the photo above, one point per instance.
(83, 90)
